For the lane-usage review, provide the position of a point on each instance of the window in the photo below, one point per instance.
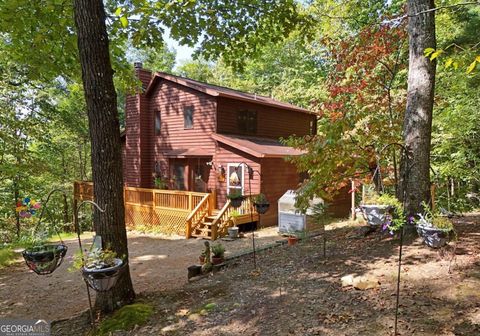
(234, 177)
(158, 122)
(247, 122)
(188, 117)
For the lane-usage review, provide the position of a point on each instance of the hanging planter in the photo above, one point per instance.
(236, 198)
(434, 237)
(375, 214)
(435, 230)
(261, 204)
(102, 279)
(44, 259)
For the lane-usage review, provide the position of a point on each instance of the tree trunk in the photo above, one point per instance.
(417, 126)
(100, 96)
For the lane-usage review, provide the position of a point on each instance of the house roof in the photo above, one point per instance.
(187, 152)
(220, 91)
(258, 147)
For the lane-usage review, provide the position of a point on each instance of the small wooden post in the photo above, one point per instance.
(190, 201)
(188, 229)
(353, 199)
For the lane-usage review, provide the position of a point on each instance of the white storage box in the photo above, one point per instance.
(290, 219)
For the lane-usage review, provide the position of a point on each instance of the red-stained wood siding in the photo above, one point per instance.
(225, 155)
(170, 99)
(271, 122)
(137, 136)
(278, 177)
(124, 156)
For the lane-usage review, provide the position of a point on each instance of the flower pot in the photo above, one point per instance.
(233, 232)
(262, 207)
(44, 259)
(217, 260)
(236, 202)
(434, 237)
(292, 240)
(375, 215)
(103, 279)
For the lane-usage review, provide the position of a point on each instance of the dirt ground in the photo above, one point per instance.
(295, 291)
(157, 264)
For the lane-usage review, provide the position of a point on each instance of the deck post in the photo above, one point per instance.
(190, 201)
(188, 230)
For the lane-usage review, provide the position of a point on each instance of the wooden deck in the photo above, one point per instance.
(192, 214)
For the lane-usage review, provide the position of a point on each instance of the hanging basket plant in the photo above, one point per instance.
(46, 258)
(101, 269)
(236, 198)
(261, 204)
(434, 229)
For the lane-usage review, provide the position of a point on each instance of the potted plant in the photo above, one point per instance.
(261, 203)
(41, 257)
(376, 208)
(44, 258)
(236, 198)
(101, 269)
(292, 239)
(201, 258)
(435, 230)
(218, 254)
(233, 230)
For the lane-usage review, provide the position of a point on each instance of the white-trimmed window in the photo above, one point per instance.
(235, 177)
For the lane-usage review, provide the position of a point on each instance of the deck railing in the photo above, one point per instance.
(162, 211)
(229, 216)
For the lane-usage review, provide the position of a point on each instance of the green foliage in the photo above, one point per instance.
(126, 318)
(235, 194)
(6, 256)
(434, 218)
(260, 199)
(218, 250)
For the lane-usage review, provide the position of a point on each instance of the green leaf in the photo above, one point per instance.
(471, 67)
(436, 54)
(118, 11)
(477, 58)
(448, 63)
(428, 51)
(124, 21)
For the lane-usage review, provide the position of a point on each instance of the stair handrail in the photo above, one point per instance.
(195, 212)
(219, 217)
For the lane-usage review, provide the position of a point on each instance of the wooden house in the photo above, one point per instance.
(200, 137)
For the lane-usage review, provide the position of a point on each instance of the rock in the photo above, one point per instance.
(360, 282)
(347, 280)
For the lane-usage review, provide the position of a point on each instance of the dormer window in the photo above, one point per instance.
(188, 117)
(247, 122)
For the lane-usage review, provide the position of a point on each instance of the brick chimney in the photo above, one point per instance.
(139, 160)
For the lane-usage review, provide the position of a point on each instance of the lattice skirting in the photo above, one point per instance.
(159, 220)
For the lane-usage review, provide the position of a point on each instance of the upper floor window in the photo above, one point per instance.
(247, 122)
(188, 117)
(158, 122)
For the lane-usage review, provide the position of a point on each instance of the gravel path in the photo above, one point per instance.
(158, 263)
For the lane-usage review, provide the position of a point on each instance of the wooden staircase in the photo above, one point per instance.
(208, 223)
(204, 229)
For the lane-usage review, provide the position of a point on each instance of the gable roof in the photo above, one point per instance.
(220, 91)
(257, 147)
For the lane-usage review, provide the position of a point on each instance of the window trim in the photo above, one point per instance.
(157, 122)
(185, 109)
(247, 114)
(235, 165)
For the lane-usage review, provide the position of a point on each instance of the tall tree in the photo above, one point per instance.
(417, 126)
(101, 100)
